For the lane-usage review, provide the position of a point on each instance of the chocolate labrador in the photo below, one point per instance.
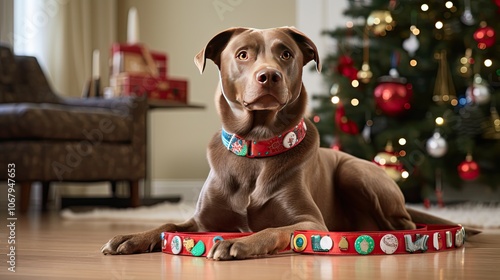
(268, 174)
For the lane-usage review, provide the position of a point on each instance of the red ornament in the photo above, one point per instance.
(427, 203)
(351, 73)
(345, 125)
(485, 37)
(346, 67)
(344, 61)
(468, 169)
(393, 95)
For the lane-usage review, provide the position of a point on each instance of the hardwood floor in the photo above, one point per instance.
(48, 247)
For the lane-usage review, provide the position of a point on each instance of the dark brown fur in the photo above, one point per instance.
(261, 95)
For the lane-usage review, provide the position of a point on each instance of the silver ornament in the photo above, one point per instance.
(411, 45)
(467, 17)
(436, 145)
(334, 89)
(479, 92)
(366, 133)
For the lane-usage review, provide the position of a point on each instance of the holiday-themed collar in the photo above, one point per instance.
(425, 238)
(266, 148)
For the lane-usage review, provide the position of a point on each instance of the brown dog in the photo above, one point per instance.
(285, 182)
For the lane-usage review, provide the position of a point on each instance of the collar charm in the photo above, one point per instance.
(266, 148)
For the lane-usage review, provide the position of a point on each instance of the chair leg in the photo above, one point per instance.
(25, 196)
(113, 189)
(135, 200)
(45, 195)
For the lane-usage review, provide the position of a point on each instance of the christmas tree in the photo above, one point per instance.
(415, 87)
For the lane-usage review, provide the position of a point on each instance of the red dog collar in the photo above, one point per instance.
(426, 238)
(194, 243)
(267, 148)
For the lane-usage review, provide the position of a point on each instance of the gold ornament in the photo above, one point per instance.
(444, 90)
(380, 21)
(389, 161)
(365, 74)
(492, 127)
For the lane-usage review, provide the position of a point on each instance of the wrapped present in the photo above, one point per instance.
(128, 84)
(160, 60)
(137, 59)
(173, 90)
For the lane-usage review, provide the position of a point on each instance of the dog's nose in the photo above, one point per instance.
(266, 75)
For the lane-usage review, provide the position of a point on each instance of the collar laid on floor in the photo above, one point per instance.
(266, 148)
(425, 238)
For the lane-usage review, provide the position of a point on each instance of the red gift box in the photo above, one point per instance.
(154, 87)
(137, 59)
(176, 91)
(160, 60)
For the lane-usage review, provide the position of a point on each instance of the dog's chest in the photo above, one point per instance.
(255, 205)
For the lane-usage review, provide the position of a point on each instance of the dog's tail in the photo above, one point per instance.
(419, 217)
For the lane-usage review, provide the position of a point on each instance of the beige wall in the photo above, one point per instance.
(181, 28)
(6, 20)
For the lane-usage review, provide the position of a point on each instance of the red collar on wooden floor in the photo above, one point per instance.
(426, 238)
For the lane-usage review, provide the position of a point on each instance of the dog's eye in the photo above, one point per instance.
(286, 55)
(243, 55)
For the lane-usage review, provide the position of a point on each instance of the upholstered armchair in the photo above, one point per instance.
(50, 138)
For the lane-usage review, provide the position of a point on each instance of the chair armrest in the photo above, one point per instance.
(125, 107)
(116, 104)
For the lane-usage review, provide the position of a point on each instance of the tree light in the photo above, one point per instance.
(448, 4)
(414, 30)
(405, 174)
(402, 141)
(488, 62)
(439, 121)
(354, 102)
(424, 7)
(439, 24)
(335, 100)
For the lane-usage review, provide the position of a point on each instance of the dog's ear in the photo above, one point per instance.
(307, 46)
(214, 48)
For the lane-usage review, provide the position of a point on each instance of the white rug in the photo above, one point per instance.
(162, 212)
(470, 214)
(478, 215)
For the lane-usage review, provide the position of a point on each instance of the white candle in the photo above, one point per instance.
(95, 64)
(133, 26)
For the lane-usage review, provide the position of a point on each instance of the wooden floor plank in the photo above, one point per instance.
(48, 247)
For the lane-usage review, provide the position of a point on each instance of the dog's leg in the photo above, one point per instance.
(267, 241)
(143, 242)
(375, 199)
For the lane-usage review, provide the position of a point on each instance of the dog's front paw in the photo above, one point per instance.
(229, 250)
(131, 244)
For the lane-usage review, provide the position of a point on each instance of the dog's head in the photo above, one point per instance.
(261, 77)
